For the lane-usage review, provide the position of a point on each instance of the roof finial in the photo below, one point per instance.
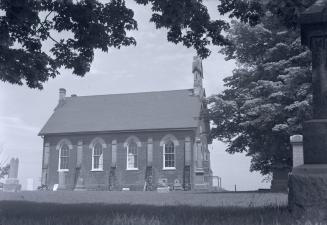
(197, 71)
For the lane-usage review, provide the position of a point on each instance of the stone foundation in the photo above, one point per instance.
(308, 191)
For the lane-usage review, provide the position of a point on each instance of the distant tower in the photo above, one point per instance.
(197, 71)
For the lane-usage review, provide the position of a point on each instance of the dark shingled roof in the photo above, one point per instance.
(122, 112)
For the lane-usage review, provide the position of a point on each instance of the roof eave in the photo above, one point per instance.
(115, 131)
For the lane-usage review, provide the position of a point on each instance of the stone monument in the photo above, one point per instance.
(12, 183)
(308, 182)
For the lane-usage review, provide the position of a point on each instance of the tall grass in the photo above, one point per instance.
(28, 213)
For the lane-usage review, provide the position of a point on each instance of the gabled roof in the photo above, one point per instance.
(122, 112)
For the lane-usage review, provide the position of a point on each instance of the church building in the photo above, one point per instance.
(132, 141)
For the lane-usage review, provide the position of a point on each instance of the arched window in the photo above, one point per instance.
(169, 155)
(97, 157)
(63, 157)
(132, 155)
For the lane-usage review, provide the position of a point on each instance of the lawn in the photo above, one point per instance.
(28, 213)
(238, 199)
(144, 208)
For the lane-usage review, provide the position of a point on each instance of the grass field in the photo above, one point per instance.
(28, 213)
(144, 208)
(151, 198)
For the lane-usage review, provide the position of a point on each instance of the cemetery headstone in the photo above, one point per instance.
(30, 184)
(12, 183)
(297, 150)
(177, 185)
(163, 185)
(55, 187)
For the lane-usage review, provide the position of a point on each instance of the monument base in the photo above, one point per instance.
(11, 185)
(315, 141)
(279, 180)
(163, 189)
(307, 196)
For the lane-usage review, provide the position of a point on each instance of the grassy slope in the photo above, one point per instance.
(25, 213)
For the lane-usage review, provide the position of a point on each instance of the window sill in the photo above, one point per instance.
(96, 170)
(169, 168)
(132, 168)
(63, 170)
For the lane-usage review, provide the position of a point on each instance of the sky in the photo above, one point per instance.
(152, 65)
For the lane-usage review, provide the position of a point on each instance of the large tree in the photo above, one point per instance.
(268, 95)
(78, 27)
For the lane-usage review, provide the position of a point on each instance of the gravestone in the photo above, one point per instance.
(297, 150)
(177, 185)
(30, 184)
(55, 187)
(163, 185)
(12, 183)
(308, 182)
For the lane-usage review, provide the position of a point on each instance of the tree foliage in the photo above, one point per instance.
(4, 167)
(268, 95)
(253, 11)
(4, 170)
(77, 28)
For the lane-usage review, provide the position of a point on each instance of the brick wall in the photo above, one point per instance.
(99, 180)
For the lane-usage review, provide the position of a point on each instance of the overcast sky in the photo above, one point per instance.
(152, 65)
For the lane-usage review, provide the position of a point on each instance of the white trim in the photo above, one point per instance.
(96, 170)
(132, 168)
(169, 168)
(58, 147)
(100, 158)
(127, 150)
(164, 157)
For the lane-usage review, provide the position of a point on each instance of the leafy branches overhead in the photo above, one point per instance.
(187, 22)
(76, 28)
(252, 11)
(93, 25)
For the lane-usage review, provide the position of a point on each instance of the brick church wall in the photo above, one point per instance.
(133, 179)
